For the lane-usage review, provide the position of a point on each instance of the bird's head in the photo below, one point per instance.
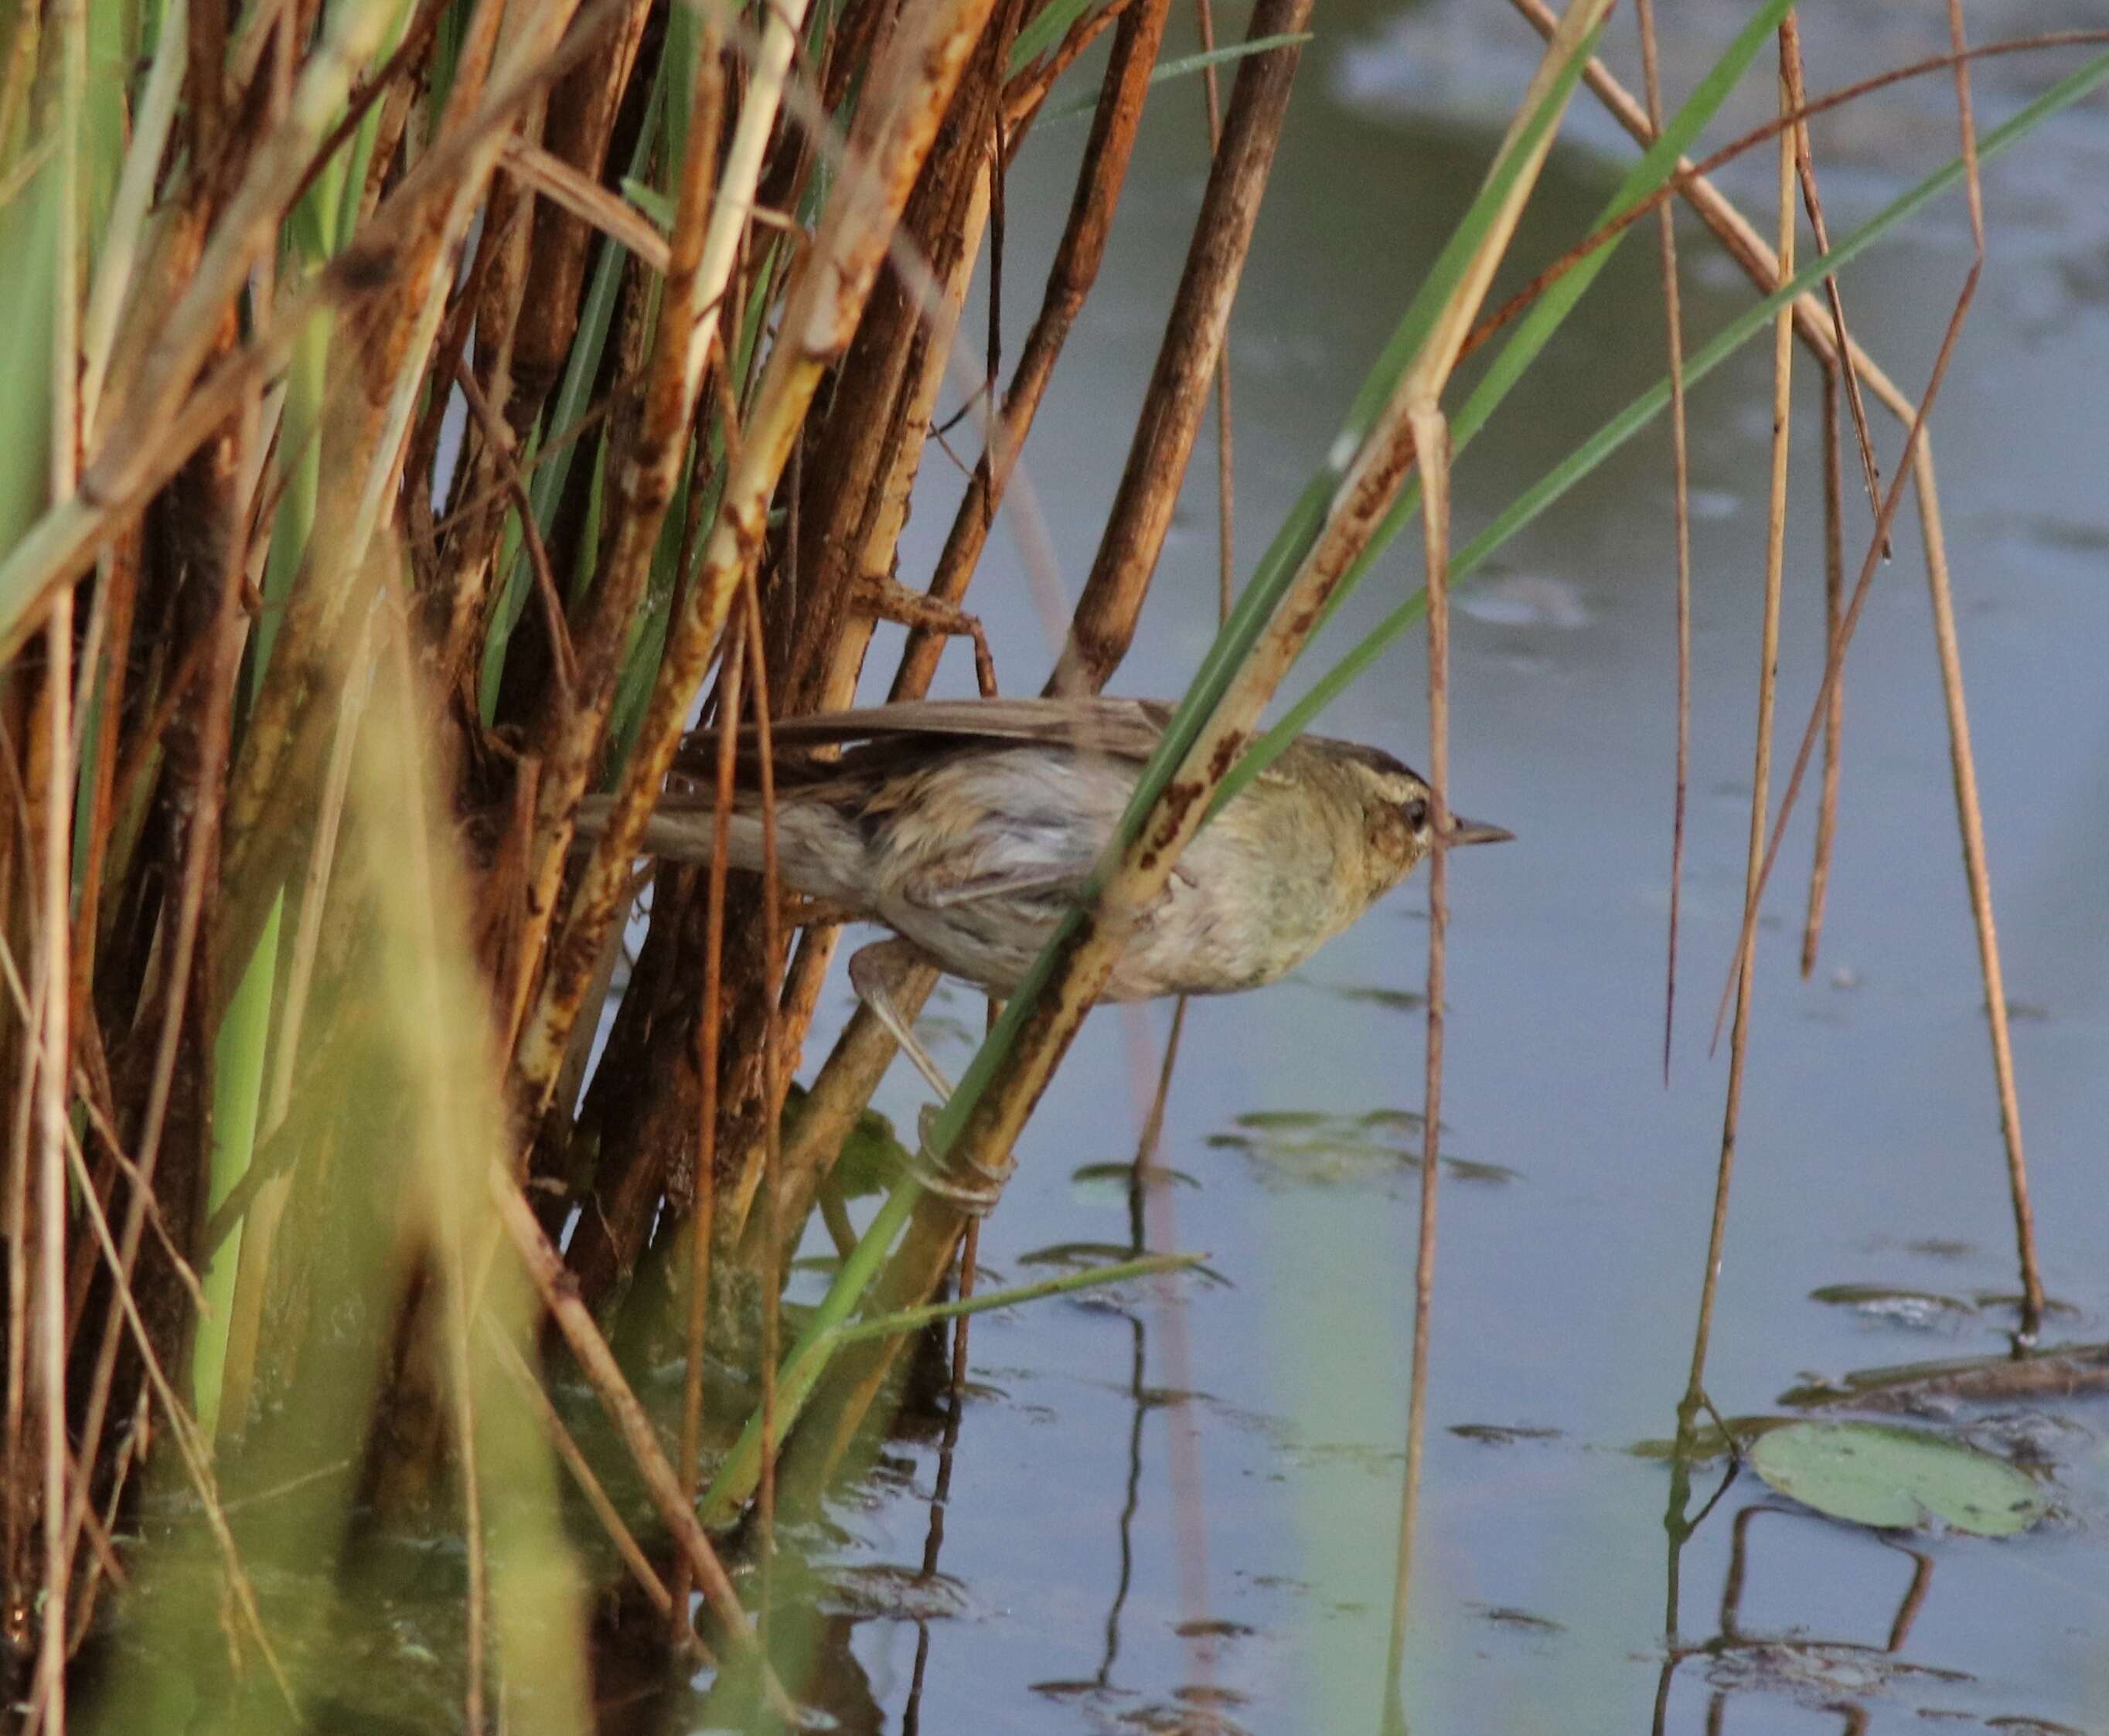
(1399, 813)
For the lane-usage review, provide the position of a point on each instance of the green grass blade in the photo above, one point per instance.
(982, 1301)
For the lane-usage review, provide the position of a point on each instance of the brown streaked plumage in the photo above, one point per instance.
(968, 828)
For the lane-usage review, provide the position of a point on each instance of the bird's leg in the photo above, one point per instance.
(885, 598)
(874, 969)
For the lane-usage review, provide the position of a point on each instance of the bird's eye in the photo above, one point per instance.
(1416, 814)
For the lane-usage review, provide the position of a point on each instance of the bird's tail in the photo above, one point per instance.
(818, 852)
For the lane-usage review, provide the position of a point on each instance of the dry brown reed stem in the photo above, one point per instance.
(61, 102)
(1960, 758)
(831, 581)
(200, 847)
(244, 232)
(707, 225)
(1963, 768)
(1916, 464)
(1804, 165)
(1431, 439)
(577, 128)
(702, 1208)
(131, 463)
(918, 404)
(537, 1401)
(1226, 569)
(117, 585)
(1775, 508)
(1369, 479)
(391, 346)
(1672, 313)
(1834, 715)
(151, 118)
(772, 1089)
(1817, 335)
(1187, 359)
(907, 94)
(498, 440)
(546, 1270)
(1100, 178)
(1029, 90)
(53, 983)
(588, 202)
(16, 847)
(1728, 225)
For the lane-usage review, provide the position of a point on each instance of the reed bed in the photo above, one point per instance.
(428, 413)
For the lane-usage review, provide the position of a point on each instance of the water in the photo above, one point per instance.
(1870, 1151)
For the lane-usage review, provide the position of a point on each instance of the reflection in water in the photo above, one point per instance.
(1829, 1675)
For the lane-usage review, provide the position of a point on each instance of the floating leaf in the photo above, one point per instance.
(1922, 1308)
(1098, 1174)
(1875, 1474)
(1501, 1434)
(873, 1157)
(1300, 1145)
(1392, 1000)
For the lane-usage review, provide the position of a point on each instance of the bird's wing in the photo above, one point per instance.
(882, 740)
(1128, 728)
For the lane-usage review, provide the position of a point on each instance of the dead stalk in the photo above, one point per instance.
(1820, 335)
(702, 1210)
(1432, 456)
(1680, 462)
(1078, 256)
(1767, 692)
(537, 1402)
(772, 1088)
(895, 123)
(545, 1269)
(1834, 715)
(1188, 360)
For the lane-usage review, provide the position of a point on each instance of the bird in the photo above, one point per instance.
(969, 828)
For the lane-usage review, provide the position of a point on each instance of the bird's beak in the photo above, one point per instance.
(1463, 831)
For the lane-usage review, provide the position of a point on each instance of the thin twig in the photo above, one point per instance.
(772, 1201)
(1680, 449)
(702, 1208)
(1834, 714)
(545, 1269)
(1804, 164)
(1431, 439)
(582, 1474)
(1761, 769)
(498, 439)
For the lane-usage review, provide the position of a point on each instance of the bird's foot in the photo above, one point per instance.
(972, 1185)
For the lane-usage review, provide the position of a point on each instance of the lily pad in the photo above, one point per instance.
(1895, 1478)
(1294, 1146)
